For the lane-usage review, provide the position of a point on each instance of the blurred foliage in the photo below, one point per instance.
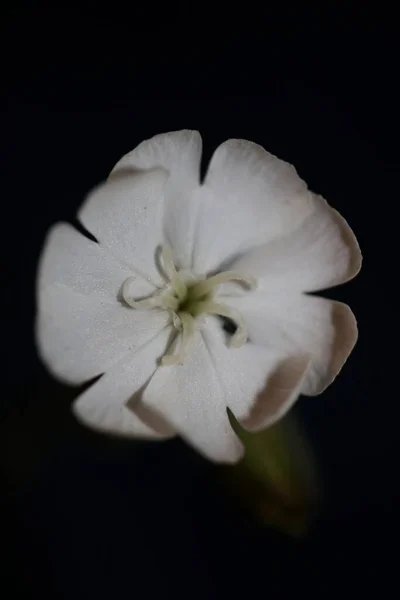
(277, 478)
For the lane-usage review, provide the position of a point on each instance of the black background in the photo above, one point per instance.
(83, 516)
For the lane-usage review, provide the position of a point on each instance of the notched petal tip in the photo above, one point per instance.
(348, 237)
(344, 339)
(345, 324)
(247, 147)
(160, 150)
(349, 240)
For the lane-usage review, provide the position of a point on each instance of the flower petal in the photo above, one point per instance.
(194, 397)
(125, 214)
(191, 399)
(249, 197)
(179, 152)
(108, 405)
(71, 259)
(322, 252)
(82, 336)
(306, 325)
(259, 383)
(283, 388)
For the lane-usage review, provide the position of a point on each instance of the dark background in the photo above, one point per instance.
(83, 516)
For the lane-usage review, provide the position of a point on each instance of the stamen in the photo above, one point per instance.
(188, 329)
(165, 301)
(186, 302)
(215, 308)
(205, 287)
(176, 321)
(179, 286)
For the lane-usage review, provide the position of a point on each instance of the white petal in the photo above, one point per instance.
(70, 259)
(81, 336)
(283, 388)
(191, 399)
(179, 152)
(173, 151)
(320, 253)
(109, 404)
(194, 397)
(306, 325)
(259, 383)
(125, 214)
(250, 197)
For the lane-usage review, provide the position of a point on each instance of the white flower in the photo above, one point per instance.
(140, 306)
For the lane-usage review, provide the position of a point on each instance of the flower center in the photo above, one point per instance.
(187, 298)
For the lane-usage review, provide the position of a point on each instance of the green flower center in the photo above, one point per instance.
(187, 299)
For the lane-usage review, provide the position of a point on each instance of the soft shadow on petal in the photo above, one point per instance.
(351, 242)
(190, 398)
(152, 419)
(295, 324)
(120, 421)
(345, 334)
(178, 152)
(321, 253)
(105, 405)
(280, 393)
(122, 172)
(257, 384)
